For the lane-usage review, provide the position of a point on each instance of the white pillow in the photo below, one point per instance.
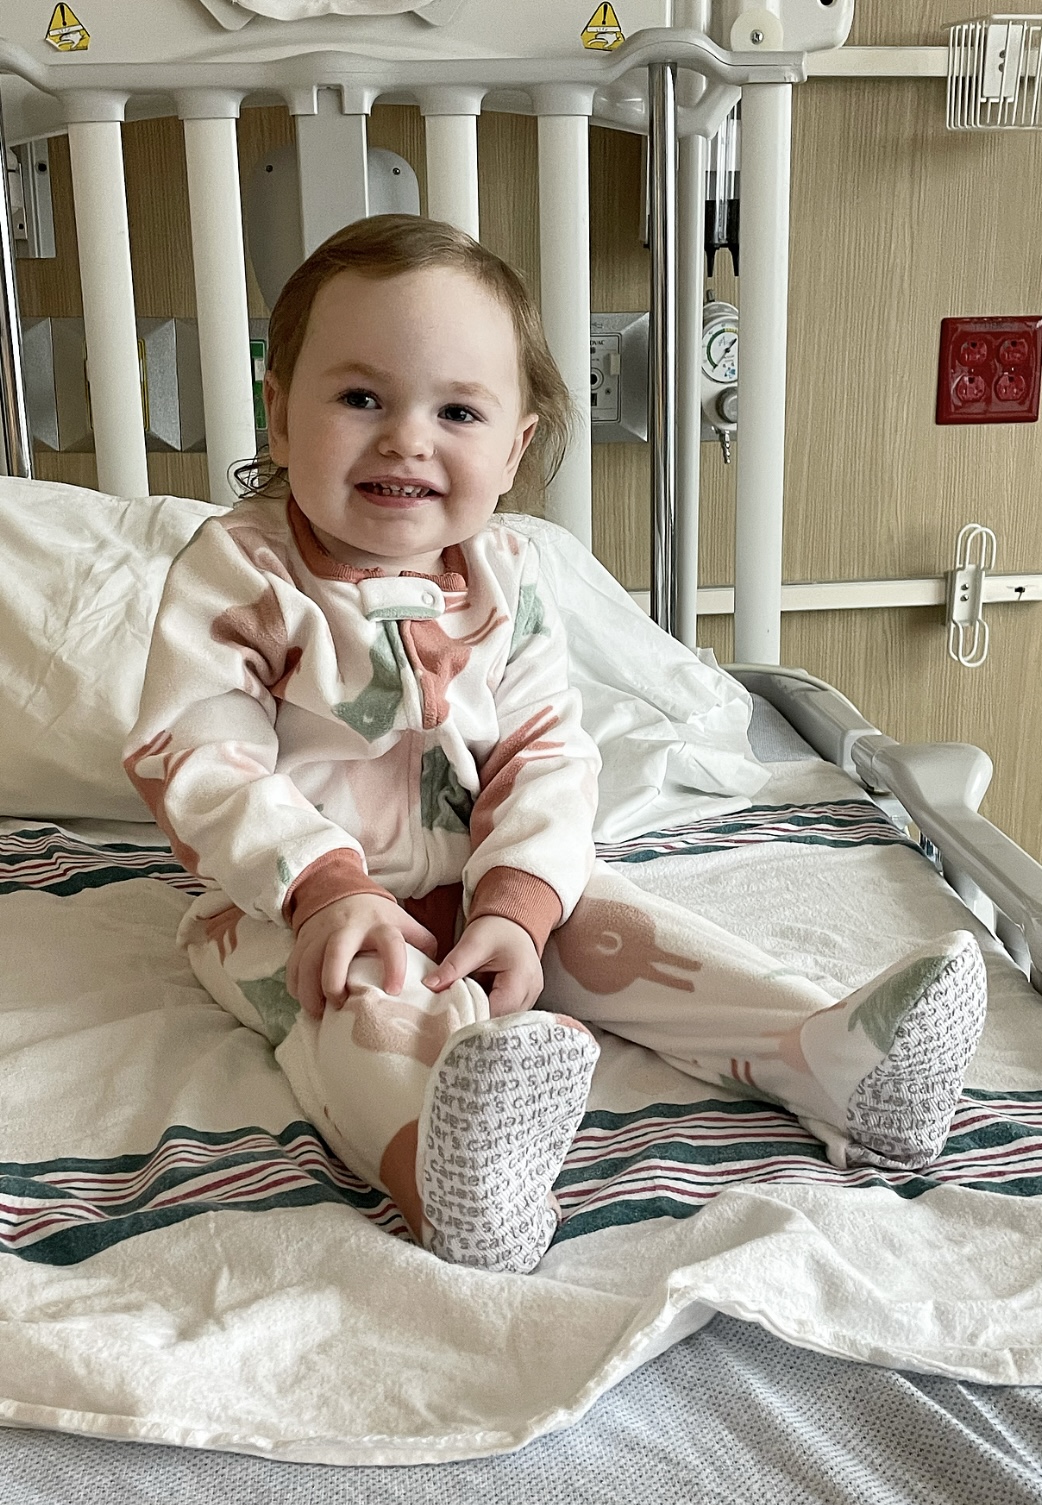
(671, 725)
(81, 575)
(80, 580)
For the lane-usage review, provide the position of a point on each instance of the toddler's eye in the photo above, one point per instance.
(456, 413)
(357, 397)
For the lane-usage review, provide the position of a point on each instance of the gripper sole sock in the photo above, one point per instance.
(500, 1112)
(899, 1114)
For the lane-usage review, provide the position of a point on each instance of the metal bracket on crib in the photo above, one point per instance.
(975, 551)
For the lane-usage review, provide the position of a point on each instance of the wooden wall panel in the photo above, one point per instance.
(160, 229)
(882, 23)
(52, 287)
(896, 224)
(260, 131)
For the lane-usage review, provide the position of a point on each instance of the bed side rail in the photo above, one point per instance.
(939, 786)
(822, 716)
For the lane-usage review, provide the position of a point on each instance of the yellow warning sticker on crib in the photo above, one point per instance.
(602, 32)
(66, 31)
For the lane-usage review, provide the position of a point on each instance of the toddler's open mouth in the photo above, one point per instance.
(398, 491)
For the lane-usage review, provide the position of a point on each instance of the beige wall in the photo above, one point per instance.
(896, 223)
(899, 223)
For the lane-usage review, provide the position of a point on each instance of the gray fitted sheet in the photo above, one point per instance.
(731, 1414)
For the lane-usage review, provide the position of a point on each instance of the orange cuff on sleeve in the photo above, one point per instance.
(335, 875)
(521, 897)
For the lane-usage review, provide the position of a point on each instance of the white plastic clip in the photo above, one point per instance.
(975, 551)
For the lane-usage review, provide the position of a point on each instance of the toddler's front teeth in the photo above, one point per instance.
(382, 490)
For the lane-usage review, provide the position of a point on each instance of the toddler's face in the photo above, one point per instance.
(403, 425)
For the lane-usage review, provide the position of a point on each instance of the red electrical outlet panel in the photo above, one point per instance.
(990, 370)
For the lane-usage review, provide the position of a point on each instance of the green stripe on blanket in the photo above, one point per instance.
(53, 861)
(59, 1212)
(50, 860)
(668, 1160)
(664, 1160)
(831, 823)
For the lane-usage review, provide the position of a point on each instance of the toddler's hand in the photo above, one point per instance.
(327, 944)
(502, 947)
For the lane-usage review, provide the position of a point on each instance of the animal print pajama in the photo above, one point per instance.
(310, 731)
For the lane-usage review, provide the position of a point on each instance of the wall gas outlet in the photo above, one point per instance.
(618, 377)
(990, 370)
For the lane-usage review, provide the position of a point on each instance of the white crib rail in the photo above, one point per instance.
(564, 93)
(109, 326)
(450, 118)
(14, 415)
(766, 136)
(219, 259)
(564, 262)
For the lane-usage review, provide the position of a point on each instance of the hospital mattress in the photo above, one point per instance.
(818, 876)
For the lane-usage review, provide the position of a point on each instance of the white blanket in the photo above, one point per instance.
(307, 1331)
(299, 10)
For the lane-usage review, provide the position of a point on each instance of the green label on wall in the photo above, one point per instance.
(258, 360)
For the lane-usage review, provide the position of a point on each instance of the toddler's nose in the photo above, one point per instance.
(408, 436)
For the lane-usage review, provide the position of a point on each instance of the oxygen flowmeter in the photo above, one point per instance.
(619, 375)
(720, 374)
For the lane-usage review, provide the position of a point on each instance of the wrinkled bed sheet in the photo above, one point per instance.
(185, 1262)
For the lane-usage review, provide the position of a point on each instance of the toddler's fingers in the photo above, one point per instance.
(465, 958)
(308, 991)
(389, 945)
(510, 995)
(340, 952)
(418, 935)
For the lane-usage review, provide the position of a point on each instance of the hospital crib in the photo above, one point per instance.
(676, 76)
(676, 83)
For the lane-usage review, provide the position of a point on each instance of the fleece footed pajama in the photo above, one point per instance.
(465, 1120)
(310, 731)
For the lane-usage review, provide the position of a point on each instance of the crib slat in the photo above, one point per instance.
(662, 354)
(564, 257)
(220, 291)
(14, 416)
(452, 168)
(766, 154)
(100, 202)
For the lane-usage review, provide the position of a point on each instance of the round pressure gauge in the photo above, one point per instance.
(720, 343)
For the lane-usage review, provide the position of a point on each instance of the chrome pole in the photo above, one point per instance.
(662, 207)
(14, 416)
(691, 210)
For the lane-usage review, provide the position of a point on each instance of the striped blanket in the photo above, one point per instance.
(141, 1125)
(661, 1160)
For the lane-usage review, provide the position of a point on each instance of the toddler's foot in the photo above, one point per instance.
(501, 1110)
(928, 1012)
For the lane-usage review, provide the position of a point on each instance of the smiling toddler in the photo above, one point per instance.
(357, 727)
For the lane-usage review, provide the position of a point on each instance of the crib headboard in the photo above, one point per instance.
(675, 74)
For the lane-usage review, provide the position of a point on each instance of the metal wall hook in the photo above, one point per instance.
(975, 550)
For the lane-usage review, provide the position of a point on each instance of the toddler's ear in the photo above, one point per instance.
(275, 407)
(525, 433)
